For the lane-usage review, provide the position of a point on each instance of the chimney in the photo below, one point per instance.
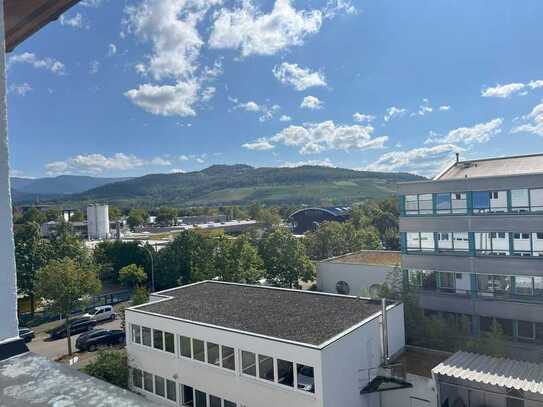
(384, 331)
(457, 157)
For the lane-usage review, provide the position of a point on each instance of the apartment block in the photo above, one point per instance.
(216, 344)
(472, 242)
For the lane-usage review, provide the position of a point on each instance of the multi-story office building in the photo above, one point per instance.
(472, 240)
(215, 344)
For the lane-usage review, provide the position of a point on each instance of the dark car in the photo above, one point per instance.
(92, 340)
(76, 327)
(26, 334)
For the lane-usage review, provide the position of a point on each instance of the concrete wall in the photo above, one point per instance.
(349, 362)
(220, 382)
(8, 282)
(360, 277)
(473, 223)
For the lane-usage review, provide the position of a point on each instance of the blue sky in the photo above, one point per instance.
(125, 88)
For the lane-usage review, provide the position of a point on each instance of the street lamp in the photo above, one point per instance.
(152, 268)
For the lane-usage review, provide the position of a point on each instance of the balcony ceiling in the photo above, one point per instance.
(25, 17)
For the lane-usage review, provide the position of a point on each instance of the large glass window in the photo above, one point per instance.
(306, 378)
(452, 242)
(200, 398)
(285, 372)
(423, 241)
(418, 204)
(498, 201)
(137, 378)
(523, 285)
(481, 202)
(413, 241)
(537, 244)
(199, 350)
(536, 200)
(148, 381)
(494, 284)
(443, 203)
(248, 363)
(425, 204)
(492, 243)
(160, 384)
(171, 390)
(447, 281)
(214, 401)
(187, 396)
(265, 368)
(507, 326)
(525, 330)
(228, 358)
(136, 333)
(146, 336)
(411, 205)
(185, 347)
(213, 354)
(169, 342)
(519, 200)
(158, 340)
(459, 202)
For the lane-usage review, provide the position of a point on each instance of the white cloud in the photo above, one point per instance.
(285, 118)
(92, 3)
(361, 118)
(94, 67)
(20, 89)
(534, 122)
(30, 58)
(536, 84)
(424, 160)
(298, 77)
(166, 100)
(171, 26)
(75, 21)
(321, 163)
(266, 112)
(339, 6)
(177, 171)
(394, 112)
(260, 145)
(425, 108)
(248, 29)
(444, 108)
(183, 157)
(98, 163)
(111, 49)
(480, 133)
(200, 160)
(317, 137)
(502, 91)
(312, 103)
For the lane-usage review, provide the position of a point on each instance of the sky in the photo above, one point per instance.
(131, 87)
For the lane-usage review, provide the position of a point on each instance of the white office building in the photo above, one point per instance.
(98, 222)
(216, 344)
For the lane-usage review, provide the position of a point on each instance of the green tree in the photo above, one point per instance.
(110, 366)
(114, 213)
(65, 244)
(65, 285)
(77, 216)
(238, 261)
(34, 215)
(53, 214)
(167, 216)
(140, 296)
(132, 276)
(285, 260)
(136, 217)
(31, 253)
(112, 255)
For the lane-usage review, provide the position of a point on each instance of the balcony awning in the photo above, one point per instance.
(492, 371)
(25, 17)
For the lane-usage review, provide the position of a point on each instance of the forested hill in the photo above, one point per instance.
(243, 185)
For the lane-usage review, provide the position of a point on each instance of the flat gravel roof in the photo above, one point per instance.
(294, 315)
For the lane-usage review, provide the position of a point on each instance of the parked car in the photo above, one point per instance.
(77, 326)
(102, 313)
(26, 334)
(92, 340)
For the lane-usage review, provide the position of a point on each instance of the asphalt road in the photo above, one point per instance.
(55, 349)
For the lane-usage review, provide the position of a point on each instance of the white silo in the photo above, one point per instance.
(98, 222)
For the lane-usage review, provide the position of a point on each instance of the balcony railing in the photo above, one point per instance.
(483, 295)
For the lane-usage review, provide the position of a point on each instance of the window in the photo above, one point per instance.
(538, 286)
(459, 203)
(523, 285)
(519, 200)
(160, 386)
(248, 363)
(525, 330)
(493, 243)
(214, 401)
(146, 336)
(169, 342)
(171, 390)
(199, 350)
(427, 241)
(136, 334)
(200, 398)
(213, 354)
(148, 381)
(306, 378)
(265, 368)
(185, 347)
(411, 205)
(494, 284)
(137, 378)
(447, 281)
(522, 244)
(187, 396)
(285, 372)
(418, 204)
(507, 326)
(481, 202)
(443, 203)
(158, 340)
(229, 404)
(425, 204)
(228, 358)
(536, 200)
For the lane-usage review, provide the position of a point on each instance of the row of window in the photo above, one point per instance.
(479, 202)
(484, 243)
(256, 365)
(167, 389)
(485, 284)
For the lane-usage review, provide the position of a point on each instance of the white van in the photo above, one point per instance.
(102, 313)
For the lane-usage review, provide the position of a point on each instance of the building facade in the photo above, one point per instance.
(215, 344)
(472, 242)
